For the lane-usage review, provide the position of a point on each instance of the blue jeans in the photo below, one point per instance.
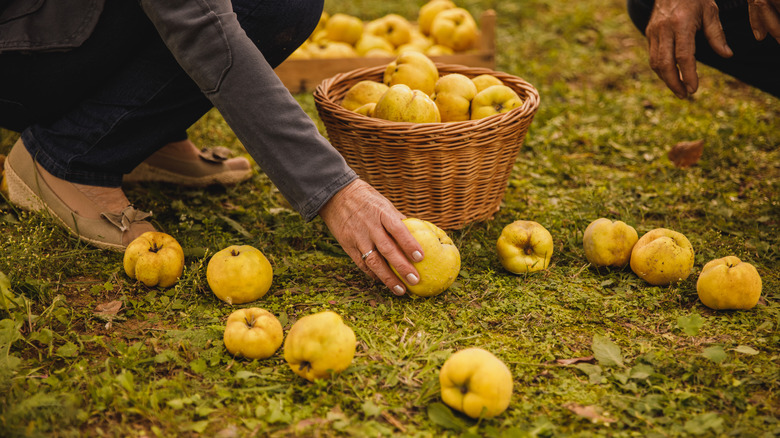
(94, 113)
(756, 63)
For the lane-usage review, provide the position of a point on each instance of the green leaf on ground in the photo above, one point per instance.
(744, 349)
(593, 371)
(690, 325)
(606, 352)
(440, 414)
(714, 353)
(371, 409)
(68, 349)
(708, 422)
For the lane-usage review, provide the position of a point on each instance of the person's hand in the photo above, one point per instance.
(370, 230)
(765, 18)
(671, 35)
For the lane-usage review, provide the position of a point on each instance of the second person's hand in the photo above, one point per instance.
(765, 18)
(671, 35)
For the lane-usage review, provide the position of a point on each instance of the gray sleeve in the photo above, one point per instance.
(208, 42)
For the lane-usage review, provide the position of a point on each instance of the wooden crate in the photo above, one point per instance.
(303, 75)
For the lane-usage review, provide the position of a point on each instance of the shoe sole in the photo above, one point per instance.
(147, 173)
(21, 195)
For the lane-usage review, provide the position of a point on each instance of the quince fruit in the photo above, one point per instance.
(453, 95)
(476, 382)
(155, 259)
(441, 264)
(662, 257)
(495, 99)
(239, 274)
(253, 333)
(319, 345)
(455, 28)
(729, 283)
(403, 104)
(414, 69)
(363, 92)
(609, 243)
(524, 247)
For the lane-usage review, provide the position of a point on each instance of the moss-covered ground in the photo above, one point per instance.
(593, 352)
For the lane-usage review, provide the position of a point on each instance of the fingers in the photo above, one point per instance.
(410, 247)
(764, 18)
(713, 31)
(399, 249)
(376, 266)
(366, 224)
(395, 247)
(684, 56)
(664, 59)
(373, 264)
(756, 21)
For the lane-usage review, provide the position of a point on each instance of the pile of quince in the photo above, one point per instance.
(413, 91)
(442, 28)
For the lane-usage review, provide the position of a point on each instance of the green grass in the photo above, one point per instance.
(664, 364)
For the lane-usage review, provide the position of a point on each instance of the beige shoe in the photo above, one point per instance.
(210, 166)
(31, 187)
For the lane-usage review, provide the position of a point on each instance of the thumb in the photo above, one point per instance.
(713, 31)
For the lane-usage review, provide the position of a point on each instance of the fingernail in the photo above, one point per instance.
(690, 89)
(412, 279)
(398, 289)
(417, 256)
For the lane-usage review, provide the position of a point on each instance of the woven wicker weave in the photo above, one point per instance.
(450, 174)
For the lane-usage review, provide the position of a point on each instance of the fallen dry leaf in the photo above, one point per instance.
(590, 412)
(392, 420)
(574, 360)
(108, 312)
(110, 308)
(686, 153)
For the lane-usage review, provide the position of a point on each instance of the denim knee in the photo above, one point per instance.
(278, 28)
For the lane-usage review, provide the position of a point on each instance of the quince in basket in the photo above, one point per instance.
(495, 99)
(413, 69)
(366, 91)
(485, 80)
(453, 95)
(366, 110)
(402, 104)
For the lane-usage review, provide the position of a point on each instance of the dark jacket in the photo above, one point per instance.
(207, 41)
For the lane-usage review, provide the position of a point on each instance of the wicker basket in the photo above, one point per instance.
(451, 174)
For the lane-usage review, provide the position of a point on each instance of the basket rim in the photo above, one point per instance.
(325, 101)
